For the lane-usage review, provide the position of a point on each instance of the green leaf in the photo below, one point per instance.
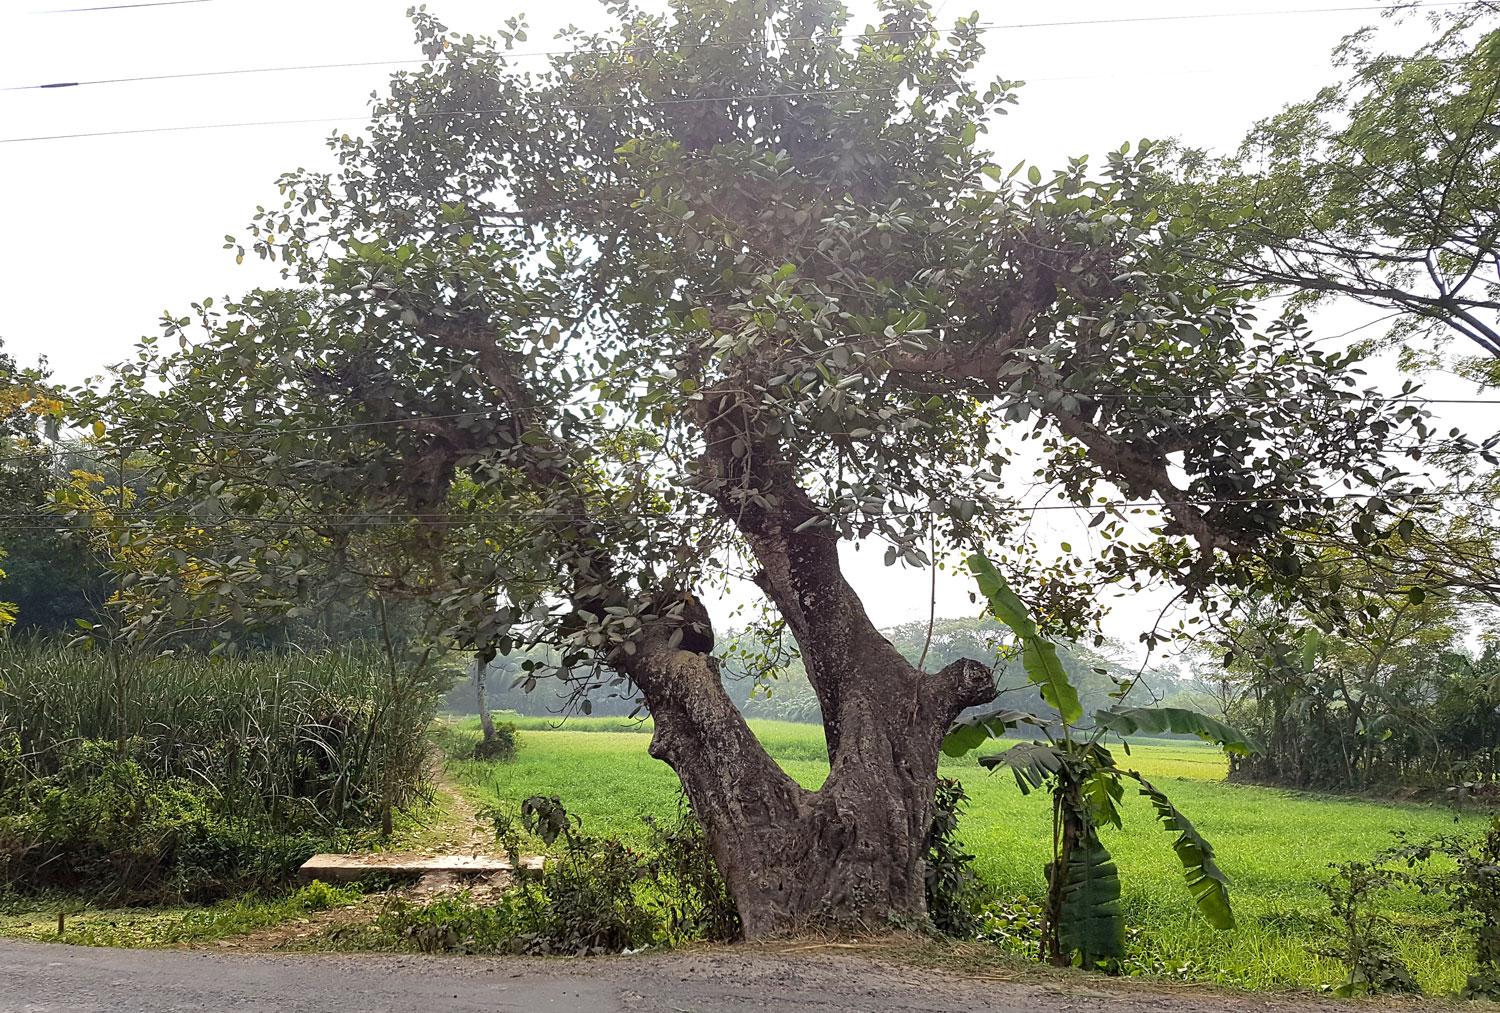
(1004, 605)
(1205, 880)
(1178, 721)
(977, 729)
(1038, 655)
(1102, 791)
(1044, 669)
(1310, 644)
(1032, 763)
(1091, 923)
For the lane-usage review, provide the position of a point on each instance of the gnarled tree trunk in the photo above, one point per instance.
(852, 851)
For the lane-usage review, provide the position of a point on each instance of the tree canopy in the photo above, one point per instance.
(562, 351)
(1384, 188)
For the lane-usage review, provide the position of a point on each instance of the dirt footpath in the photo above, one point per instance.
(51, 978)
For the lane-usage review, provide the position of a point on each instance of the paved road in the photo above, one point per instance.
(52, 978)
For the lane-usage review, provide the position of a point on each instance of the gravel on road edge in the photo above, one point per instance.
(56, 978)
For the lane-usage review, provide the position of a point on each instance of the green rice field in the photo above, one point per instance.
(1275, 845)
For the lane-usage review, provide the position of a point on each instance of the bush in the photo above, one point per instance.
(955, 897)
(105, 824)
(597, 896)
(287, 739)
(1472, 887)
(587, 902)
(190, 777)
(1363, 945)
(693, 898)
(499, 746)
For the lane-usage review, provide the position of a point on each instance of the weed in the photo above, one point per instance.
(142, 927)
(1363, 944)
(1015, 926)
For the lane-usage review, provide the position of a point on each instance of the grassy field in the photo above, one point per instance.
(1276, 845)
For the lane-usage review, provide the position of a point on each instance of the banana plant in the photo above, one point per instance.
(1083, 922)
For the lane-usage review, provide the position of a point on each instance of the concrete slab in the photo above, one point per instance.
(351, 868)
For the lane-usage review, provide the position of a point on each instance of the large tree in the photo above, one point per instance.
(1383, 188)
(722, 291)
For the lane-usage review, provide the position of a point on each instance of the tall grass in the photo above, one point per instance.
(333, 739)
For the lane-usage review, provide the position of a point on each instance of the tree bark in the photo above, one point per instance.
(849, 854)
(481, 697)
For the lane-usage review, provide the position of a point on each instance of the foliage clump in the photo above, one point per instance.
(1461, 872)
(186, 777)
(955, 895)
(1364, 944)
(1471, 886)
(107, 825)
(498, 744)
(596, 895)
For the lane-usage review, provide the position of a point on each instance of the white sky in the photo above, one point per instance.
(103, 234)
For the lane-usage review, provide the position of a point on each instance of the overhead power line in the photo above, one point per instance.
(432, 115)
(172, 129)
(120, 7)
(234, 72)
(355, 64)
(353, 520)
(549, 53)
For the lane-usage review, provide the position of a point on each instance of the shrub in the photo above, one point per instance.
(1472, 886)
(1363, 944)
(588, 902)
(499, 746)
(287, 739)
(104, 823)
(954, 895)
(693, 898)
(598, 895)
(194, 777)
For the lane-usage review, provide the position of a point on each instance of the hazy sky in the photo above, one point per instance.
(104, 233)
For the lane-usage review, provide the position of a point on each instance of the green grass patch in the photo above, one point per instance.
(164, 926)
(1276, 845)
